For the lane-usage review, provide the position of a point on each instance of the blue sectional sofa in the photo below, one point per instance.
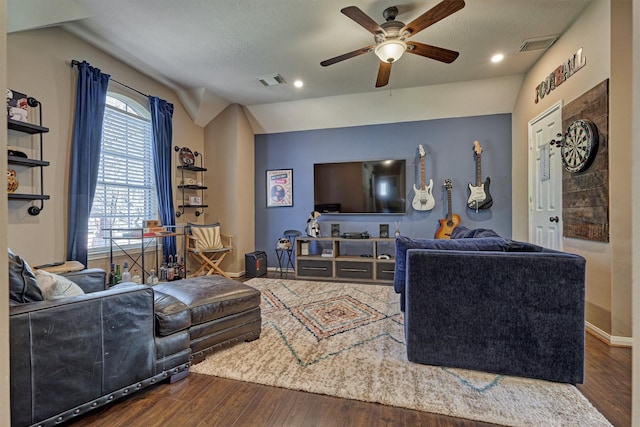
(491, 304)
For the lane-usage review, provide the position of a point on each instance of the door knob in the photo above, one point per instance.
(554, 219)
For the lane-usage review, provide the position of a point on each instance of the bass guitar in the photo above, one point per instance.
(479, 196)
(452, 220)
(423, 199)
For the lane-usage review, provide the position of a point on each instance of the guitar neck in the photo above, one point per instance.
(449, 211)
(423, 179)
(478, 170)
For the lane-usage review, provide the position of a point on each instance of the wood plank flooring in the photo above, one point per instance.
(200, 400)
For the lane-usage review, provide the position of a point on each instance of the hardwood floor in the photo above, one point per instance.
(200, 400)
(607, 382)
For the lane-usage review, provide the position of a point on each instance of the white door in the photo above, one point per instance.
(545, 179)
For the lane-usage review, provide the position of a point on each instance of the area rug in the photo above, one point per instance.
(347, 340)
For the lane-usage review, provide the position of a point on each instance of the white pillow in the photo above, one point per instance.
(54, 286)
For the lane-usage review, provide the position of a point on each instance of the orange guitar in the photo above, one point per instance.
(452, 220)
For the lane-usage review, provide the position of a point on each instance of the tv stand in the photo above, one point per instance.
(350, 260)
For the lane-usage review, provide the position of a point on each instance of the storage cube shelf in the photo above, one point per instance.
(333, 258)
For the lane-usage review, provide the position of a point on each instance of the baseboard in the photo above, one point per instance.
(244, 272)
(608, 338)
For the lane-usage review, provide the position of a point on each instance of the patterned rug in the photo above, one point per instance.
(347, 340)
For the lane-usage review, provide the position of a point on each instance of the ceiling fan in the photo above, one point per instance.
(391, 37)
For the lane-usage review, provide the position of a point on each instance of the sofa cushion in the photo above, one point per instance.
(405, 243)
(23, 286)
(171, 315)
(90, 279)
(54, 286)
(211, 297)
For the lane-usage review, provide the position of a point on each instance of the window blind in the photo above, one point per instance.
(125, 192)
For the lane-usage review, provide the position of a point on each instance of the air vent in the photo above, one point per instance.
(540, 43)
(272, 80)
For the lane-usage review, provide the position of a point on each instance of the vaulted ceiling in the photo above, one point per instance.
(219, 48)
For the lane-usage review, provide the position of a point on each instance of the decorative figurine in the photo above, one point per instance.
(313, 228)
(12, 181)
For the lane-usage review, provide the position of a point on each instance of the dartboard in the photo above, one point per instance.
(580, 146)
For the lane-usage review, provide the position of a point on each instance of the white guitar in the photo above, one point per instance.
(479, 196)
(423, 199)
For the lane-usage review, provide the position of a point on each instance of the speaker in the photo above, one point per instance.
(335, 230)
(384, 231)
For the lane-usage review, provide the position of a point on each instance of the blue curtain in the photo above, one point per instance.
(91, 96)
(162, 132)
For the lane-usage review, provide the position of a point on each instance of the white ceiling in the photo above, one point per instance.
(220, 47)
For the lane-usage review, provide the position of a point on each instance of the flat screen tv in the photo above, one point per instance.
(364, 187)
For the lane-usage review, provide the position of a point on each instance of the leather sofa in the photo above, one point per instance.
(72, 355)
(493, 304)
(76, 353)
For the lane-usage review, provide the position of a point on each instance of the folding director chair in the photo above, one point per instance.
(208, 247)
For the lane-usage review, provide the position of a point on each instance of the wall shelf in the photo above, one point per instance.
(22, 161)
(193, 168)
(21, 196)
(25, 127)
(15, 128)
(191, 187)
(188, 185)
(193, 206)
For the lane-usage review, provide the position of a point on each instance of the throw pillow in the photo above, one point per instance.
(54, 286)
(23, 286)
(516, 246)
(462, 232)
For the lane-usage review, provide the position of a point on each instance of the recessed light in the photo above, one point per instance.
(298, 83)
(497, 57)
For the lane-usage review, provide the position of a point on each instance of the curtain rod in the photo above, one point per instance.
(75, 63)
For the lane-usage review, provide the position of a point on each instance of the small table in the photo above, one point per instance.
(285, 261)
(118, 236)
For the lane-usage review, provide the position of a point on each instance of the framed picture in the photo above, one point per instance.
(279, 188)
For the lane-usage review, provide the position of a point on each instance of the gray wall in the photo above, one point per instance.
(449, 147)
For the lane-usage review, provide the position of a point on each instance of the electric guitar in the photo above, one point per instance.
(452, 220)
(423, 199)
(479, 196)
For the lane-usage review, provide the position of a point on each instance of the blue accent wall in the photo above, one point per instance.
(449, 154)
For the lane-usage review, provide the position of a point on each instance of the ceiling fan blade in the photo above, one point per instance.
(433, 15)
(344, 56)
(362, 18)
(383, 74)
(438, 53)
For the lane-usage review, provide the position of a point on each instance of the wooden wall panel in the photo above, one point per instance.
(585, 195)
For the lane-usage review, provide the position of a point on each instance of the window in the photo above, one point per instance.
(126, 190)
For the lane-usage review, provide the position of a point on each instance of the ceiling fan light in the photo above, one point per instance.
(390, 50)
